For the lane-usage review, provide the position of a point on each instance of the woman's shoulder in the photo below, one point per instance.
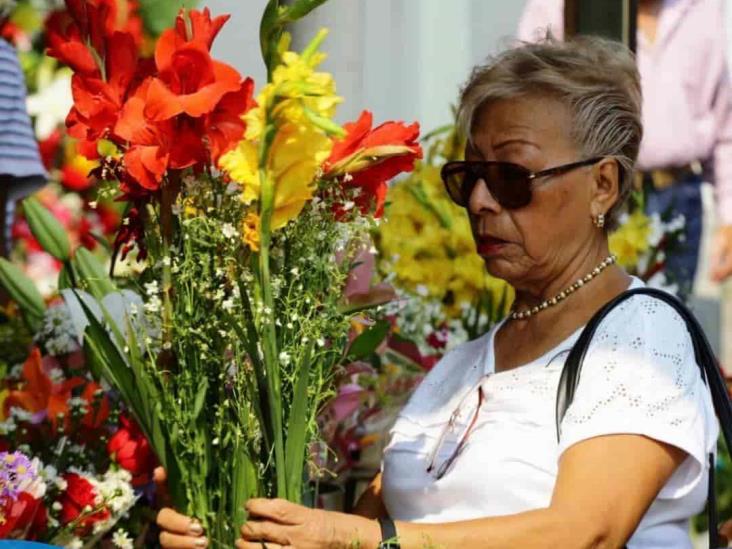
(643, 320)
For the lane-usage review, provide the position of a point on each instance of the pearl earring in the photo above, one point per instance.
(600, 221)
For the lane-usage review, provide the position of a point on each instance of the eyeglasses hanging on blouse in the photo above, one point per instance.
(439, 471)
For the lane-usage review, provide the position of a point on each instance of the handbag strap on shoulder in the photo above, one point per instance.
(705, 359)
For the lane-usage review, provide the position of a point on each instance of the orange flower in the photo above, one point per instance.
(40, 393)
(367, 158)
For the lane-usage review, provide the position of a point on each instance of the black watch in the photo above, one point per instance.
(389, 538)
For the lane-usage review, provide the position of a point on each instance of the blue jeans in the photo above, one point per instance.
(683, 197)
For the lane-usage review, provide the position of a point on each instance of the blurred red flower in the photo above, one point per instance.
(25, 516)
(78, 502)
(129, 447)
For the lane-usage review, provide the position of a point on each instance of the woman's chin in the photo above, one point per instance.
(504, 268)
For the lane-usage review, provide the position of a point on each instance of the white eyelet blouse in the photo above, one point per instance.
(639, 376)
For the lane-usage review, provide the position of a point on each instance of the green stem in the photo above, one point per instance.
(268, 333)
(168, 195)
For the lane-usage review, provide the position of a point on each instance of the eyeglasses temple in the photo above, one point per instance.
(459, 448)
(565, 168)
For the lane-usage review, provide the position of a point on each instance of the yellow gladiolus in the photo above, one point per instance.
(250, 231)
(631, 239)
(296, 155)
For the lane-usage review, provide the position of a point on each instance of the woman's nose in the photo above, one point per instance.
(481, 200)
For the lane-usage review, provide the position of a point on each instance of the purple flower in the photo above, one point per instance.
(16, 472)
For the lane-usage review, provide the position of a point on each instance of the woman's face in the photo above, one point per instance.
(531, 246)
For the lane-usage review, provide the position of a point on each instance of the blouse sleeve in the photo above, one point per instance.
(640, 377)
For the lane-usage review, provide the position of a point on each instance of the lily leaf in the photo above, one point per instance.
(91, 274)
(367, 342)
(22, 290)
(48, 231)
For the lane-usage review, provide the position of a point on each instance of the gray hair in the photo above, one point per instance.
(596, 78)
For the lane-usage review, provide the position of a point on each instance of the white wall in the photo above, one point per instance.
(403, 59)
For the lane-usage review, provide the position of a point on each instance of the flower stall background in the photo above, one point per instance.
(77, 450)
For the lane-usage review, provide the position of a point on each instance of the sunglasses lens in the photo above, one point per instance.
(459, 181)
(508, 183)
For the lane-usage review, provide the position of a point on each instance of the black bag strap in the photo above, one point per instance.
(705, 359)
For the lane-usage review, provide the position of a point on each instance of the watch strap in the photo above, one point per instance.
(388, 534)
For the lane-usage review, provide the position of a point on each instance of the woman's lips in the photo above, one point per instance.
(490, 245)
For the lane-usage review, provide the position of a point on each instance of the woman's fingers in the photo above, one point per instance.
(175, 523)
(279, 510)
(254, 530)
(178, 541)
(160, 476)
(242, 544)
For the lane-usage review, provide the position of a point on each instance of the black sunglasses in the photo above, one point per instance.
(510, 184)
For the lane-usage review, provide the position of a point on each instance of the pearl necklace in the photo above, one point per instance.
(609, 260)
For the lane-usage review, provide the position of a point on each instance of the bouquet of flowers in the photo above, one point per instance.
(249, 215)
(72, 463)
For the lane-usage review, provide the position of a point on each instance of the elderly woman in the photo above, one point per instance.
(473, 459)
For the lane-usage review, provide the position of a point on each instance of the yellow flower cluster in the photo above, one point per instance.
(426, 242)
(631, 240)
(298, 104)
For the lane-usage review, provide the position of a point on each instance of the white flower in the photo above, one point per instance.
(20, 414)
(166, 261)
(122, 539)
(52, 102)
(229, 231)
(152, 288)
(284, 357)
(56, 506)
(153, 305)
(228, 304)
(75, 543)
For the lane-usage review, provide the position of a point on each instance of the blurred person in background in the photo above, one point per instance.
(687, 116)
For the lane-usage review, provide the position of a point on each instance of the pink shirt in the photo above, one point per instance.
(687, 106)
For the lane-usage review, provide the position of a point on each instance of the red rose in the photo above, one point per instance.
(79, 499)
(129, 447)
(25, 516)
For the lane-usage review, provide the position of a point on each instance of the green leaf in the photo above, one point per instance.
(21, 289)
(300, 8)
(270, 30)
(159, 15)
(91, 274)
(243, 486)
(200, 398)
(112, 364)
(297, 430)
(66, 277)
(48, 231)
(367, 342)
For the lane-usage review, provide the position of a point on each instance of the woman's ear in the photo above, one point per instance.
(606, 186)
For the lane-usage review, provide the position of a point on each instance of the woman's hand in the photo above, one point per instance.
(177, 531)
(281, 524)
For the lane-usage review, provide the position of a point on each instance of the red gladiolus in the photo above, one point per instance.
(49, 149)
(129, 447)
(371, 157)
(79, 499)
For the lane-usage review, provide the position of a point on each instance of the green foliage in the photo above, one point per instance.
(367, 342)
(21, 289)
(47, 230)
(275, 18)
